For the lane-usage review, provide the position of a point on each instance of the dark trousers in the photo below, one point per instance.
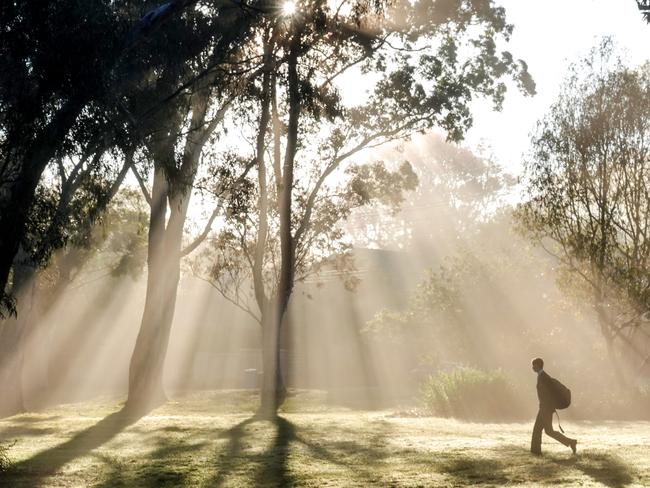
(544, 421)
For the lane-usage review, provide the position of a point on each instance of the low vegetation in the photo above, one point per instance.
(5, 460)
(471, 394)
(213, 439)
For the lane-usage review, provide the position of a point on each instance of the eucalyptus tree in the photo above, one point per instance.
(73, 192)
(67, 205)
(66, 142)
(173, 177)
(109, 65)
(588, 195)
(422, 62)
(60, 59)
(176, 138)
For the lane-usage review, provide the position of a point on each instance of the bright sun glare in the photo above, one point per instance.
(289, 8)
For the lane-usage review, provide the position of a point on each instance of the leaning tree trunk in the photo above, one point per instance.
(146, 368)
(164, 253)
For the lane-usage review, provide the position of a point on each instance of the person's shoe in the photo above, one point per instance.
(573, 445)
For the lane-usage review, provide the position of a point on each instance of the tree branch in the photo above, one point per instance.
(140, 181)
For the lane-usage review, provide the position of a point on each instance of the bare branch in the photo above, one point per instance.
(143, 187)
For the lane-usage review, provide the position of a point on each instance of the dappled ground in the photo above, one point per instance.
(212, 439)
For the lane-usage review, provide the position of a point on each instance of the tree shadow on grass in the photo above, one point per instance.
(47, 463)
(364, 461)
(170, 464)
(358, 459)
(271, 467)
(274, 469)
(470, 470)
(361, 460)
(607, 469)
(231, 458)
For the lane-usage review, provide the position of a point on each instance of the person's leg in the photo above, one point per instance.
(547, 421)
(536, 441)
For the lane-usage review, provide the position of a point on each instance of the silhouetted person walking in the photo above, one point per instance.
(544, 420)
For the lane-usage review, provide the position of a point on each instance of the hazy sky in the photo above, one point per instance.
(549, 36)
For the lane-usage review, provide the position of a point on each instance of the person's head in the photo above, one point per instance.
(538, 364)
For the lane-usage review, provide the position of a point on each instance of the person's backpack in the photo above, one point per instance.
(561, 395)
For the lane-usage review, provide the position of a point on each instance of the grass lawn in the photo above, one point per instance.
(212, 439)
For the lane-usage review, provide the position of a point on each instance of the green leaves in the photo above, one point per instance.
(588, 192)
(375, 182)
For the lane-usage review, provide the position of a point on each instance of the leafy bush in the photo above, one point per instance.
(5, 461)
(471, 394)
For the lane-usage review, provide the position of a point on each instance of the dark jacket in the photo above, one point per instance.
(545, 391)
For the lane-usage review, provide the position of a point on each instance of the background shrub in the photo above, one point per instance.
(5, 461)
(471, 394)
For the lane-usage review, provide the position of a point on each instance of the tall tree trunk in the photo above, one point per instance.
(145, 370)
(164, 252)
(273, 387)
(269, 367)
(274, 393)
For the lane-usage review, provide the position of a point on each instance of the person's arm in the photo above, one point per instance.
(545, 391)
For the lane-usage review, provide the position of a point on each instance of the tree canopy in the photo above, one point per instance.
(150, 89)
(587, 194)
